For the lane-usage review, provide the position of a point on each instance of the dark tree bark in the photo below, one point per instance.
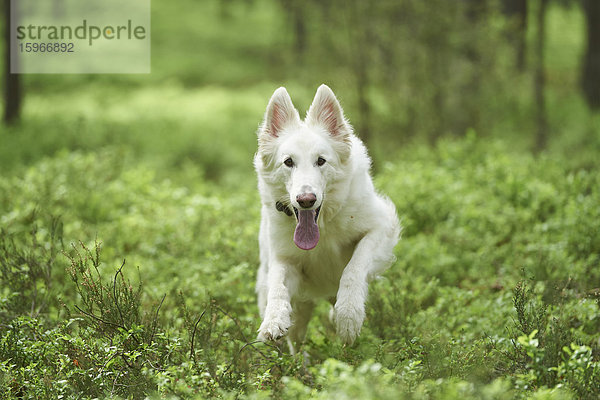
(295, 11)
(299, 29)
(12, 82)
(541, 137)
(516, 10)
(590, 80)
(362, 40)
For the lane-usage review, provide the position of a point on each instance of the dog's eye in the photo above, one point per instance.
(320, 161)
(289, 162)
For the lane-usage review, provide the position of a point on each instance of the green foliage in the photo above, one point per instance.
(543, 351)
(440, 323)
(26, 269)
(581, 370)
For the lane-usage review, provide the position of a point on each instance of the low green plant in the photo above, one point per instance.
(542, 352)
(27, 264)
(452, 318)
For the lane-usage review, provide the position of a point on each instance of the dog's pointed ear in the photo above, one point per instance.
(280, 112)
(326, 111)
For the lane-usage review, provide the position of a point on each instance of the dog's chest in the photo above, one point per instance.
(322, 267)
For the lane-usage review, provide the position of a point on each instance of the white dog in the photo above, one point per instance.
(324, 232)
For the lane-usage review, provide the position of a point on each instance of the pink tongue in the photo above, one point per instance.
(306, 235)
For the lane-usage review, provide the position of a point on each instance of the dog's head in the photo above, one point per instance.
(302, 158)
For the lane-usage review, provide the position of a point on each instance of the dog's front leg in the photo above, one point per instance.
(373, 253)
(282, 281)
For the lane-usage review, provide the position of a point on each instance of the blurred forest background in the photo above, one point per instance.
(482, 118)
(523, 70)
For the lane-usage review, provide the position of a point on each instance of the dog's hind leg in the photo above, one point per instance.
(301, 317)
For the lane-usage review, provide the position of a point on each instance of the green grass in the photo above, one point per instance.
(494, 294)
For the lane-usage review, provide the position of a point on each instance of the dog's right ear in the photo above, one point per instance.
(280, 112)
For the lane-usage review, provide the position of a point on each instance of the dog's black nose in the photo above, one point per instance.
(306, 200)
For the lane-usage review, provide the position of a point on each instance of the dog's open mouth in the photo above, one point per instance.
(306, 235)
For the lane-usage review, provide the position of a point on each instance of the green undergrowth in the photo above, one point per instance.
(118, 281)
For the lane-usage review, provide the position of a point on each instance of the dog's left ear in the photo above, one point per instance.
(326, 111)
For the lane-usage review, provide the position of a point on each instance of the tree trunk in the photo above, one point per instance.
(539, 79)
(299, 29)
(516, 10)
(362, 40)
(12, 82)
(590, 81)
(295, 12)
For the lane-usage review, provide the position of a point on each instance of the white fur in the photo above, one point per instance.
(358, 227)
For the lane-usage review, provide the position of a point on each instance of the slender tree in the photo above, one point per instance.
(295, 10)
(516, 10)
(539, 79)
(590, 80)
(12, 82)
(361, 43)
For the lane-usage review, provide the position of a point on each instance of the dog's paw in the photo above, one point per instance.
(348, 321)
(273, 329)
